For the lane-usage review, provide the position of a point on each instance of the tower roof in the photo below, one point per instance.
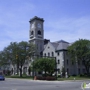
(36, 18)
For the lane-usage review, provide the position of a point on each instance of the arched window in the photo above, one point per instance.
(58, 61)
(44, 54)
(52, 54)
(31, 32)
(48, 54)
(39, 32)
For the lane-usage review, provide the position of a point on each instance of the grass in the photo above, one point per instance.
(74, 78)
(58, 79)
(17, 76)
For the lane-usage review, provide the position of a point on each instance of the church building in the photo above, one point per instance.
(56, 49)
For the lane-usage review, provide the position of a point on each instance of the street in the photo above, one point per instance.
(21, 84)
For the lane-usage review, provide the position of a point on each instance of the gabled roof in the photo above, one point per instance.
(59, 45)
(54, 44)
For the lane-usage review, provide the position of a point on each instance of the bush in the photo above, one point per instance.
(38, 77)
(50, 78)
(45, 78)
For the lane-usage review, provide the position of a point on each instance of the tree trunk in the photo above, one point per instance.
(21, 71)
(86, 64)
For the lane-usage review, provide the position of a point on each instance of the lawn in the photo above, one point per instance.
(58, 79)
(73, 78)
(17, 76)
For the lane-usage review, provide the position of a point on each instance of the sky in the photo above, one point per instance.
(67, 20)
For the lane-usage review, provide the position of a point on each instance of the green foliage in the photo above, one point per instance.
(44, 64)
(80, 51)
(16, 53)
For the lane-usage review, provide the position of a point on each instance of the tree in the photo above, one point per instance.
(3, 60)
(44, 64)
(80, 51)
(22, 51)
(16, 54)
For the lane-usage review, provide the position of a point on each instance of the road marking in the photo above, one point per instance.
(14, 89)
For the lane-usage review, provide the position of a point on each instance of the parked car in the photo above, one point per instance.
(2, 76)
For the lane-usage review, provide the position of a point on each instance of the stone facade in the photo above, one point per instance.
(56, 49)
(37, 33)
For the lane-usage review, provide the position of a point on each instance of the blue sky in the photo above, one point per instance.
(64, 19)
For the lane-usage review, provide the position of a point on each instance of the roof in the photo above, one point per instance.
(54, 44)
(36, 18)
(60, 45)
(62, 41)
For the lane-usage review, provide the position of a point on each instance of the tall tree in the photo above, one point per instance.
(16, 54)
(80, 51)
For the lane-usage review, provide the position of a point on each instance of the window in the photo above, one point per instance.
(52, 54)
(39, 32)
(58, 61)
(44, 54)
(72, 62)
(78, 70)
(58, 53)
(67, 70)
(67, 61)
(48, 54)
(48, 47)
(83, 70)
(31, 32)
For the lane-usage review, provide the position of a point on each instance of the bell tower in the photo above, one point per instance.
(36, 33)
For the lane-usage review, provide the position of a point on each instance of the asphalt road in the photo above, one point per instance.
(20, 84)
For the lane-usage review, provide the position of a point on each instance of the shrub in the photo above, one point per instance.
(45, 78)
(50, 78)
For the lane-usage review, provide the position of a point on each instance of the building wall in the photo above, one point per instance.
(60, 60)
(59, 56)
(37, 33)
(48, 50)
